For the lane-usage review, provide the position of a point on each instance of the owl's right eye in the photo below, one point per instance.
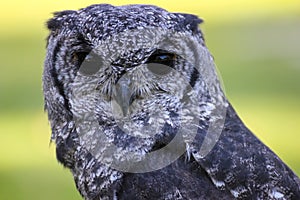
(91, 64)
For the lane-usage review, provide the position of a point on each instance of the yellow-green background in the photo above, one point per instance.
(256, 45)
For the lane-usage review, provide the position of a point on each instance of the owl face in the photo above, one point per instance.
(131, 77)
(131, 82)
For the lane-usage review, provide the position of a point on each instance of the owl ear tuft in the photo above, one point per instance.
(191, 21)
(59, 19)
(53, 24)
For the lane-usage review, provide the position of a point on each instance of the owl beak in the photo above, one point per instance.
(123, 94)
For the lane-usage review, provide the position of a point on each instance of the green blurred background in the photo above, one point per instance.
(256, 45)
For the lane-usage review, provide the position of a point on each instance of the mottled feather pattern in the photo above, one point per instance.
(87, 114)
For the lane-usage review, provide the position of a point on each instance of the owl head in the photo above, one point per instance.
(129, 81)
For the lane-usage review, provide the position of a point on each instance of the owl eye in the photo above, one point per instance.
(91, 64)
(161, 62)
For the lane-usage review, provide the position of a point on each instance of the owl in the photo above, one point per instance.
(137, 111)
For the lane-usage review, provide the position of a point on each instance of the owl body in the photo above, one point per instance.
(137, 111)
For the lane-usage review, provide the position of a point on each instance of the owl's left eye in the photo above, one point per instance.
(161, 62)
(91, 64)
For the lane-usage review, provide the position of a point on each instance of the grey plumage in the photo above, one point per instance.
(120, 43)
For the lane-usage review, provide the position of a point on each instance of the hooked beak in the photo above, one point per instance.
(123, 94)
